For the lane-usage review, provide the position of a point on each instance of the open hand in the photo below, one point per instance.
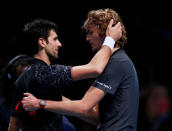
(114, 31)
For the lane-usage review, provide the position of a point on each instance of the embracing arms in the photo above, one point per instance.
(84, 109)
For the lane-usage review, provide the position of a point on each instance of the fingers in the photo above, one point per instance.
(118, 24)
(26, 106)
(25, 98)
(30, 102)
(114, 31)
(27, 94)
(110, 23)
(116, 27)
(119, 28)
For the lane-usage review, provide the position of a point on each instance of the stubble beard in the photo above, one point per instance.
(51, 56)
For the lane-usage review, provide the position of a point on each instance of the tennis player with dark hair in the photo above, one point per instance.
(15, 67)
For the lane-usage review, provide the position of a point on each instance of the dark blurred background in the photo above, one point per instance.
(149, 31)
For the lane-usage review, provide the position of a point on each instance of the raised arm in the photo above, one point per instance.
(96, 66)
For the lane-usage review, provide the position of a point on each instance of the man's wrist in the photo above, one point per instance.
(38, 104)
(109, 41)
(42, 104)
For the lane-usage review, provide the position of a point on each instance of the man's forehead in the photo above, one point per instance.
(53, 33)
(92, 28)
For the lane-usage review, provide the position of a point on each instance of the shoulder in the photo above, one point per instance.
(120, 66)
(59, 67)
(120, 55)
(121, 58)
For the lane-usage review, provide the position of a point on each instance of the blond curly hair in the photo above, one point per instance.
(101, 18)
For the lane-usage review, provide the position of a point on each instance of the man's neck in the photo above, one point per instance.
(115, 49)
(42, 56)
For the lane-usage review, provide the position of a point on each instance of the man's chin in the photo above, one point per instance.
(94, 49)
(53, 57)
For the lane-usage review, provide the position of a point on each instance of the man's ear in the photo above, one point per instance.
(41, 42)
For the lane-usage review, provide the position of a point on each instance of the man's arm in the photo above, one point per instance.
(65, 98)
(79, 108)
(96, 66)
(92, 116)
(13, 124)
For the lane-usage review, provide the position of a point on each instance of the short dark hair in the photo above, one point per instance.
(32, 31)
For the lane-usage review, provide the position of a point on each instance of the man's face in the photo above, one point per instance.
(53, 45)
(93, 38)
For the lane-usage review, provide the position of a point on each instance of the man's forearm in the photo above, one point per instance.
(13, 124)
(78, 108)
(91, 117)
(65, 98)
(68, 107)
(71, 108)
(94, 67)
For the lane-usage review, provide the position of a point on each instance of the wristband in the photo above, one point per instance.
(109, 42)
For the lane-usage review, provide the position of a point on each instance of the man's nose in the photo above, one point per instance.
(88, 38)
(59, 44)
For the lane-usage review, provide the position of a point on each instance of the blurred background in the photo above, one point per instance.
(149, 31)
